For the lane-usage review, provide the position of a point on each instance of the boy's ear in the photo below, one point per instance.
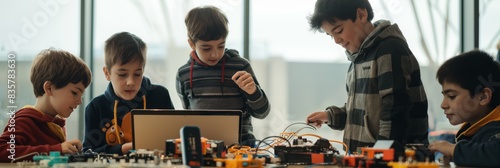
(485, 96)
(47, 88)
(191, 44)
(106, 73)
(362, 15)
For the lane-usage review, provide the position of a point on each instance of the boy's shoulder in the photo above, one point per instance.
(494, 125)
(157, 89)
(158, 97)
(157, 92)
(491, 128)
(232, 53)
(234, 57)
(27, 116)
(101, 99)
(25, 112)
(390, 45)
(392, 42)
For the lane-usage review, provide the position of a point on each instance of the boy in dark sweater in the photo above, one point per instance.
(218, 78)
(59, 80)
(471, 97)
(107, 117)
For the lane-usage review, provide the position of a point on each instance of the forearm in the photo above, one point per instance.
(258, 104)
(336, 117)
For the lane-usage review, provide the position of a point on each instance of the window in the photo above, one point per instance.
(489, 27)
(160, 24)
(28, 28)
(301, 71)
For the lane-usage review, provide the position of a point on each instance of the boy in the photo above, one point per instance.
(107, 117)
(386, 98)
(59, 80)
(471, 90)
(216, 77)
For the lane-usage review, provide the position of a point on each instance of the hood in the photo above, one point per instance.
(145, 87)
(228, 53)
(383, 30)
(121, 108)
(37, 115)
(55, 124)
(468, 130)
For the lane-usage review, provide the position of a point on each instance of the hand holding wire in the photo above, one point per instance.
(316, 119)
(71, 146)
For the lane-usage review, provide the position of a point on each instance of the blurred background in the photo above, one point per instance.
(301, 71)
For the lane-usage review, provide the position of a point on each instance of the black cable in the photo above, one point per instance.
(257, 148)
(312, 127)
(266, 143)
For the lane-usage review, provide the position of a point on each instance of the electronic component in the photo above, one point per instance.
(54, 158)
(421, 152)
(191, 146)
(215, 148)
(320, 153)
(240, 161)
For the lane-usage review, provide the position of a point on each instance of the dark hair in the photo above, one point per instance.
(58, 67)
(473, 71)
(329, 10)
(206, 23)
(123, 48)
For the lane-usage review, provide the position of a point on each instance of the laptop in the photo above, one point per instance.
(152, 127)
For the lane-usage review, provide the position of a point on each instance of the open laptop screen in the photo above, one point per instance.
(152, 127)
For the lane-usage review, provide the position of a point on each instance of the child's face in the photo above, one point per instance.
(458, 106)
(346, 33)
(64, 100)
(126, 79)
(209, 52)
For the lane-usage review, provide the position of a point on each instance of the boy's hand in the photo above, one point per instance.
(71, 146)
(126, 147)
(444, 147)
(245, 81)
(317, 118)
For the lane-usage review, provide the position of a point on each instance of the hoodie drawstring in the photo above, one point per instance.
(144, 102)
(115, 119)
(191, 70)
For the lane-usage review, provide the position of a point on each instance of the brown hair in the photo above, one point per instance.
(206, 23)
(124, 47)
(473, 71)
(330, 10)
(60, 68)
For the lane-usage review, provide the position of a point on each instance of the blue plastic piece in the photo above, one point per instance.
(54, 158)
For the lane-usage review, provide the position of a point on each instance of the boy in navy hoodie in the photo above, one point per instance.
(107, 117)
(471, 97)
(59, 80)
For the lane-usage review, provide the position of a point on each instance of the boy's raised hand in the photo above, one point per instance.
(71, 146)
(245, 81)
